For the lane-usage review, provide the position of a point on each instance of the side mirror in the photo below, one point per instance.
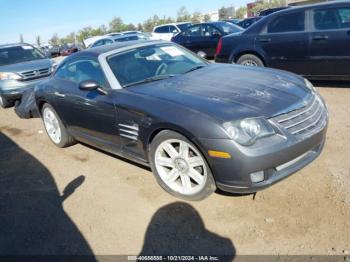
(88, 85)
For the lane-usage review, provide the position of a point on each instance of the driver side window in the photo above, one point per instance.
(193, 31)
(81, 70)
(210, 31)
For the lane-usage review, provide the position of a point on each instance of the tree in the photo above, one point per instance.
(70, 38)
(38, 41)
(21, 40)
(139, 27)
(84, 34)
(268, 4)
(183, 15)
(116, 25)
(54, 40)
(241, 12)
(207, 18)
(223, 14)
(196, 17)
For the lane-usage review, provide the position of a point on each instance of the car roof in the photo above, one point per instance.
(180, 23)
(304, 7)
(97, 51)
(13, 45)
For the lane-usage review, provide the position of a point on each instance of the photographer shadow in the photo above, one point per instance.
(32, 218)
(178, 229)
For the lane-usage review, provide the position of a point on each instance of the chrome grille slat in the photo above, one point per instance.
(304, 121)
(302, 111)
(35, 73)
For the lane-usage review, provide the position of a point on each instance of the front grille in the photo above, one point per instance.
(305, 121)
(34, 74)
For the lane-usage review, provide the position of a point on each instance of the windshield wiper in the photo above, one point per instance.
(195, 68)
(149, 79)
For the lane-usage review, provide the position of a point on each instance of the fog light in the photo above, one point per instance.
(257, 177)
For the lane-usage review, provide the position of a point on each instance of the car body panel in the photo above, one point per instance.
(124, 121)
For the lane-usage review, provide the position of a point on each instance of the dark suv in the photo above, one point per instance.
(22, 66)
(312, 40)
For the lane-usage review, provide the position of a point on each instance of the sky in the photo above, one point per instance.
(45, 17)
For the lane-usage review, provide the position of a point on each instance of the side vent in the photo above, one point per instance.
(129, 131)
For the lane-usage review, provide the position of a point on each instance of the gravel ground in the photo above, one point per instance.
(82, 201)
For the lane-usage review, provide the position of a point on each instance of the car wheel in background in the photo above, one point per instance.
(54, 127)
(250, 60)
(4, 103)
(180, 168)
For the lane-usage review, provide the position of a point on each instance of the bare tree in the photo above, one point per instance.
(21, 40)
(38, 41)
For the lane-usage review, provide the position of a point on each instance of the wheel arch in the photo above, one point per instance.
(234, 57)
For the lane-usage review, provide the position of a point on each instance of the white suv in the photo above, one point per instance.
(167, 31)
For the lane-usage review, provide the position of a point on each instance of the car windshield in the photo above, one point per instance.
(183, 27)
(153, 63)
(229, 28)
(19, 54)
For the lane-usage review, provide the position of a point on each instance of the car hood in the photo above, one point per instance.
(27, 66)
(230, 92)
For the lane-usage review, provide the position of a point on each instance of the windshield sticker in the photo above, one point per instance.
(27, 47)
(172, 50)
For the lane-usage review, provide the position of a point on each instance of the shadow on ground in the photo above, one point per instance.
(178, 229)
(32, 219)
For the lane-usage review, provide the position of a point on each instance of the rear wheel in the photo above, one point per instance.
(250, 60)
(54, 127)
(4, 103)
(180, 168)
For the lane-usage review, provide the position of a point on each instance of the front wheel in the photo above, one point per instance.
(54, 127)
(180, 168)
(250, 60)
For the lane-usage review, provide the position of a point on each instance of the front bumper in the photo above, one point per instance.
(13, 90)
(279, 157)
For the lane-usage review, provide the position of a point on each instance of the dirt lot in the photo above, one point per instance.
(115, 207)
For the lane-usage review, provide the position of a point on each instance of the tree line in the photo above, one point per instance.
(118, 25)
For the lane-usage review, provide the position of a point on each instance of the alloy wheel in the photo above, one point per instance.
(52, 125)
(249, 63)
(181, 166)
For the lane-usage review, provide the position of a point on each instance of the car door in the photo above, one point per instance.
(284, 42)
(330, 41)
(192, 38)
(210, 39)
(162, 33)
(89, 116)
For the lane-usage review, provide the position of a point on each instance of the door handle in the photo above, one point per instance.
(320, 37)
(264, 40)
(59, 94)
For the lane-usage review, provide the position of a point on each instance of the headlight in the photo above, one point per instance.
(9, 76)
(310, 85)
(247, 131)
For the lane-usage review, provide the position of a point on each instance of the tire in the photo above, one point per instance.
(184, 173)
(59, 136)
(4, 103)
(250, 60)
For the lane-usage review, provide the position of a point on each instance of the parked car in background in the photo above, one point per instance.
(203, 38)
(119, 38)
(233, 21)
(311, 40)
(21, 67)
(68, 50)
(55, 51)
(272, 10)
(245, 23)
(167, 31)
(158, 104)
